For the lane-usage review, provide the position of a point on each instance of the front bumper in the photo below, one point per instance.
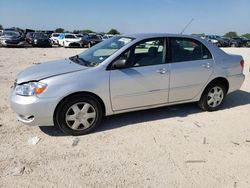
(33, 110)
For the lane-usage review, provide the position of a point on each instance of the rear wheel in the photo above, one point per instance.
(79, 115)
(213, 96)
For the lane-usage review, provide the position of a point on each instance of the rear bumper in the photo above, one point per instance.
(235, 82)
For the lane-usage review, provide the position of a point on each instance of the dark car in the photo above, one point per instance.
(242, 41)
(41, 40)
(218, 40)
(94, 39)
(231, 42)
(89, 39)
(12, 39)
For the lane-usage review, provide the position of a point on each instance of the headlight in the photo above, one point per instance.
(30, 89)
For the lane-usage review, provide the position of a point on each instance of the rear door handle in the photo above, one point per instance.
(162, 71)
(207, 65)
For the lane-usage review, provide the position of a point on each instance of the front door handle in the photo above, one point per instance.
(162, 71)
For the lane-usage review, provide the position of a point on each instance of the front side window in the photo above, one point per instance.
(145, 53)
(185, 49)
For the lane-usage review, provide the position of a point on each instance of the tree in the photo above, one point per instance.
(87, 31)
(231, 34)
(114, 32)
(59, 30)
(76, 31)
(247, 35)
(1, 27)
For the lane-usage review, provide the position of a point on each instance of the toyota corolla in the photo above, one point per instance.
(122, 74)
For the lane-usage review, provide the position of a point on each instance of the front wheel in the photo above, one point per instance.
(78, 115)
(213, 96)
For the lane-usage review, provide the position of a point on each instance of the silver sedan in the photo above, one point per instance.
(122, 74)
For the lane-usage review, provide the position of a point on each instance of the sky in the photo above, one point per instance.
(129, 16)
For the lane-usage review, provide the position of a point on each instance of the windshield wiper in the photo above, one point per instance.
(82, 61)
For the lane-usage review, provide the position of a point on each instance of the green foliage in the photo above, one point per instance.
(59, 30)
(231, 34)
(247, 35)
(114, 32)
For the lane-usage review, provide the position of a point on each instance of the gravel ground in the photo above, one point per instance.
(177, 146)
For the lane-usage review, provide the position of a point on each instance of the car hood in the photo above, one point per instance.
(49, 69)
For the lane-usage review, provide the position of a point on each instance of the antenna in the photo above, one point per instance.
(186, 26)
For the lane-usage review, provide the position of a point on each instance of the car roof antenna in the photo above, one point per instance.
(186, 26)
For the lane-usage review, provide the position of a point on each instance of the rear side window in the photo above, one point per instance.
(185, 49)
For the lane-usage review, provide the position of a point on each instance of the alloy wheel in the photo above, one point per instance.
(215, 97)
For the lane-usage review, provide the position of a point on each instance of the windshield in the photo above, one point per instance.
(98, 53)
(11, 33)
(40, 35)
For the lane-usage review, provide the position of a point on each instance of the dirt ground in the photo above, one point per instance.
(177, 146)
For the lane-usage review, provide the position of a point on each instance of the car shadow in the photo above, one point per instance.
(236, 99)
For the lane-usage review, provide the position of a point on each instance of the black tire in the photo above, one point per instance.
(63, 108)
(203, 103)
(219, 45)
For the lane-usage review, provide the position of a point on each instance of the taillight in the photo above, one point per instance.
(242, 63)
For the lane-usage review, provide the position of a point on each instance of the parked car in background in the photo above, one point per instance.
(231, 42)
(29, 37)
(86, 42)
(242, 41)
(69, 40)
(122, 74)
(54, 38)
(217, 40)
(94, 39)
(41, 40)
(12, 39)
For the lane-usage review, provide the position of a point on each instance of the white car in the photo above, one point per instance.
(69, 40)
(54, 38)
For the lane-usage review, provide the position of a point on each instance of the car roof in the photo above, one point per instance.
(154, 35)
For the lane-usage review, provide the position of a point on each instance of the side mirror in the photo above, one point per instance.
(119, 64)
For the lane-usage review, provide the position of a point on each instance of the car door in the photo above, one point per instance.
(191, 66)
(145, 79)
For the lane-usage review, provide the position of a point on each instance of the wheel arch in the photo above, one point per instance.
(90, 94)
(218, 79)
